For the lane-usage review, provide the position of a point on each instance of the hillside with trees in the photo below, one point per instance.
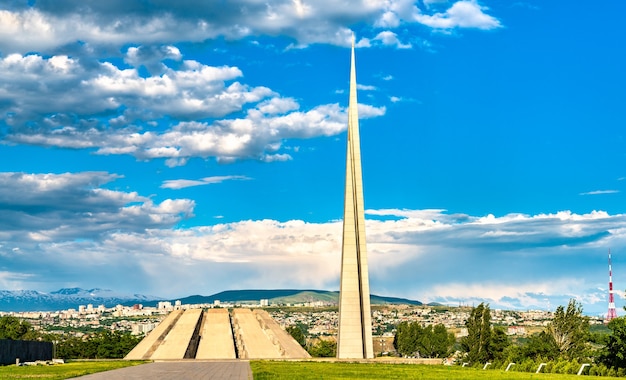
(563, 345)
(98, 345)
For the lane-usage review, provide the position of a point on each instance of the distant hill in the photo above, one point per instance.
(283, 296)
(71, 298)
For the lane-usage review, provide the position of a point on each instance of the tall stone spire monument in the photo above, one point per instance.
(355, 317)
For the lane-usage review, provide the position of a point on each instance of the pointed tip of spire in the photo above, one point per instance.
(353, 39)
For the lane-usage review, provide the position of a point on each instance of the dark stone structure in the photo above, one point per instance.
(25, 350)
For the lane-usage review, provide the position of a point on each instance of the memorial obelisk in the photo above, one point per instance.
(354, 340)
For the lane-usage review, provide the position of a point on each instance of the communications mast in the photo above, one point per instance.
(611, 313)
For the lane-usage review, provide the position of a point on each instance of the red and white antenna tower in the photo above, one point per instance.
(612, 313)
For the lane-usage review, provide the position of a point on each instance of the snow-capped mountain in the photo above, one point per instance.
(66, 298)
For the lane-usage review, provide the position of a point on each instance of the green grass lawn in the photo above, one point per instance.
(277, 370)
(61, 371)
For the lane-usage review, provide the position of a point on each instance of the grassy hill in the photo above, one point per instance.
(286, 296)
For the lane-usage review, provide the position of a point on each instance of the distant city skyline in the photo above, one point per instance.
(173, 149)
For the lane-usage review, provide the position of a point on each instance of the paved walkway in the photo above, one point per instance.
(191, 370)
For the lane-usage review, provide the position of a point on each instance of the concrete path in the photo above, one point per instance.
(188, 370)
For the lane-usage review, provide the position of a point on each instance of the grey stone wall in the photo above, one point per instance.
(25, 350)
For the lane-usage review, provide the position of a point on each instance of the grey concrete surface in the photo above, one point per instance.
(289, 348)
(253, 342)
(176, 342)
(187, 370)
(151, 342)
(216, 340)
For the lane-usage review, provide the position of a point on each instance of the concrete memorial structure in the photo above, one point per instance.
(354, 340)
(176, 343)
(216, 334)
(144, 349)
(216, 337)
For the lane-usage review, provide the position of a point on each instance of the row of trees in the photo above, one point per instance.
(413, 339)
(98, 345)
(564, 344)
(566, 337)
(101, 345)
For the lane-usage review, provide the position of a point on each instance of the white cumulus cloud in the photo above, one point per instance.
(462, 14)
(47, 25)
(420, 254)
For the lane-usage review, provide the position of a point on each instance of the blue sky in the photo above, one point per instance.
(170, 150)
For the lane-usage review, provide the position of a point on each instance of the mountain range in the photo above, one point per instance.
(66, 298)
(285, 296)
(71, 298)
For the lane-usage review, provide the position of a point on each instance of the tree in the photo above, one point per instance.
(324, 349)
(498, 344)
(614, 353)
(428, 341)
(102, 345)
(569, 329)
(297, 334)
(14, 329)
(70, 348)
(540, 345)
(437, 342)
(405, 340)
(476, 343)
